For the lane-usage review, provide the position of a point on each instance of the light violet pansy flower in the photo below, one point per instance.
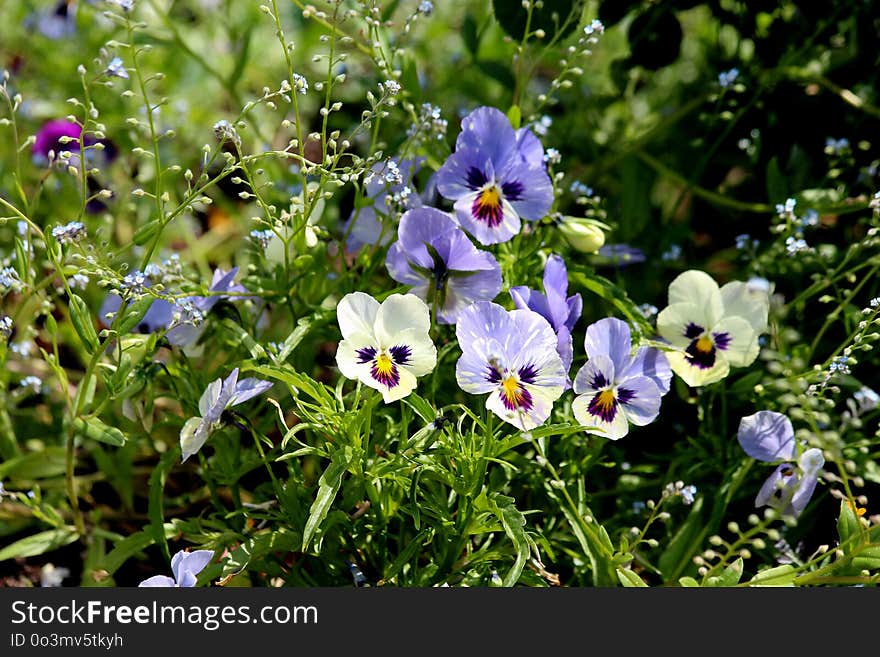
(186, 567)
(554, 305)
(713, 328)
(446, 270)
(217, 397)
(495, 177)
(385, 346)
(511, 355)
(768, 436)
(616, 388)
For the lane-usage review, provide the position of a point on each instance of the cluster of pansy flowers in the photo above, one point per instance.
(496, 177)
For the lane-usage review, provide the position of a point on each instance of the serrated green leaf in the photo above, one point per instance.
(514, 522)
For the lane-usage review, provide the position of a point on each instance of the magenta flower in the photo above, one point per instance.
(616, 388)
(768, 436)
(446, 270)
(555, 306)
(511, 355)
(48, 140)
(495, 176)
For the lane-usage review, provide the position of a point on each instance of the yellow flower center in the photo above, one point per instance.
(384, 364)
(510, 387)
(704, 344)
(605, 401)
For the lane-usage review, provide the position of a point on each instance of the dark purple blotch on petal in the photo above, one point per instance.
(704, 359)
(722, 340)
(512, 190)
(401, 354)
(366, 354)
(625, 395)
(476, 178)
(603, 406)
(693, 331)
(599, 381)
(528, 373)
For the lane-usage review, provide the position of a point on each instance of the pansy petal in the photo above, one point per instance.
(556, 289)
(356, 313)
(528, 299)
(488, 130)
(401, 312)
(248, 389)
(617, 428)
(421, 226)
(191, 562)
(499, 228)
(529, 190)
(575, 307)
(193, 436)
(750, 302)
(353, 354)
(779, 488)
(537, 336)
(737, 340)
(406, 384)
(767, 436)
(530, 148)
(463, 172)
(652, 363)
(479, 368)
(698, 288)
(464, 289)
(415, 352)
(484, 320)
(680, 323)
(210, 396)
(397, 263)
(639, 399)
(610, 336)
(565, 349)
(158, 581)
(596, 374)
(694, 375)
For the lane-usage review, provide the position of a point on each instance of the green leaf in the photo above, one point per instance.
(94, 429)
(514, 115)
(688, 582)
(514, 522)
(41, 543)
(778, 576)
(847, 527)
(127, 548)
(469, 35)
(630, 579)
(49, 462)
(328, 486)
(730, 576)
(133, 314)
(558, 18)
(82, 323)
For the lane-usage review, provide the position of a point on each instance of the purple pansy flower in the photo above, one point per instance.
(391, 191)
(511, 355)
(446, 270)
(615, 388)
(217, 397)
(186, 566)
(621, 255)
(560, 310)
(182, 318)
(768, 436)
(495, 177)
